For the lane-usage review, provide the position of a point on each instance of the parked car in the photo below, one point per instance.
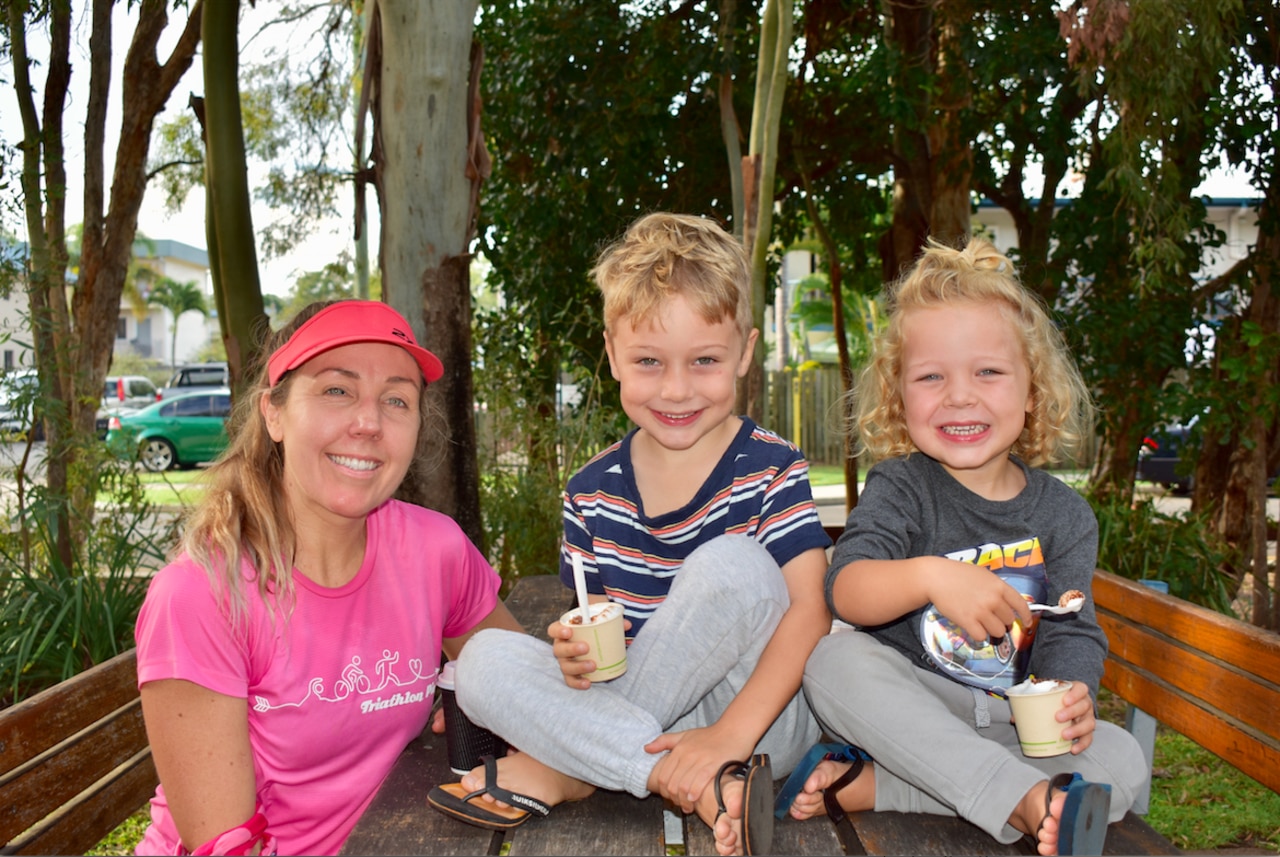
(1160, 458)
(129, 391)
(18, 389)
(182, 431)
(197, 376)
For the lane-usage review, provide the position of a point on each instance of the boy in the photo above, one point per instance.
(702, 525)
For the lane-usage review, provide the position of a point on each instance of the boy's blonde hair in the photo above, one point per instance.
(663, 255)
(1061, 412)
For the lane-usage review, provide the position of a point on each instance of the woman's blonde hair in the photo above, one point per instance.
(1061, 412)
(244, 516)
(663, 255)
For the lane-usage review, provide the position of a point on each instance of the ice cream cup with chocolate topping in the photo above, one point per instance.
(1034, 703)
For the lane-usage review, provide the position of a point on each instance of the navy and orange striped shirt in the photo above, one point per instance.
(760, 488)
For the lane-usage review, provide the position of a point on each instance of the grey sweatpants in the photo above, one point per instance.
(684, 667)
(931, 753)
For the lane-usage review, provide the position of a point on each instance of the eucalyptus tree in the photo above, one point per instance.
(73, 343)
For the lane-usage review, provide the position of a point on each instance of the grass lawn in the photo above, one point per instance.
(173, 487)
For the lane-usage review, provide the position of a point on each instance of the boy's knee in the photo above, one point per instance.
(733, 566)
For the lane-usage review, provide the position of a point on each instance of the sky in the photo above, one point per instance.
(187, 224)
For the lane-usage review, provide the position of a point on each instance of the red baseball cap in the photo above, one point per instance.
(346, 322)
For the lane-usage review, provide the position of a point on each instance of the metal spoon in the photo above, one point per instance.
(1072, 606)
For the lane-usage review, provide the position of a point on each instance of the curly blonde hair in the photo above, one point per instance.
(244, 517)
(662, 255)
(1061, 411)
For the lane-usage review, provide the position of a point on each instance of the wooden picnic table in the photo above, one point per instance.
(399, 821)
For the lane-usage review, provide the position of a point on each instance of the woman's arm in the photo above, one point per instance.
(499, 617)
(200, 742)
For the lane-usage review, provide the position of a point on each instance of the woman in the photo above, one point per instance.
(289, 653)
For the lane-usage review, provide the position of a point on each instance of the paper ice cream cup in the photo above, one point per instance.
(1034, 705)
(606, 637)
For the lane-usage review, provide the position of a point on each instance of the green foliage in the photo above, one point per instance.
(1137, 541)
(57, 619)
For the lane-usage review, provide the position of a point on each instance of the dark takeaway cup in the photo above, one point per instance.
(466, 741)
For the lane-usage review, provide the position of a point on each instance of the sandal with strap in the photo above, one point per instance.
(791, 789)
(757, 800)
(453, 801)
(1082, 829)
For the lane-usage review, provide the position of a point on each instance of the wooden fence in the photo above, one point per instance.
(804, 406)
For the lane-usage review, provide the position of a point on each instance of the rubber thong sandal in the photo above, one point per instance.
(1082, 829)
(451, 800)
(817, 753)
(757, 800)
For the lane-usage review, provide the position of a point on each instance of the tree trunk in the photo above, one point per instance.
(237, 290)
(766, 116)
(73, 348)
(909, 31)
(420, 108)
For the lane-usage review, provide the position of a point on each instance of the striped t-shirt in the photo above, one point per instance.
(760, 488)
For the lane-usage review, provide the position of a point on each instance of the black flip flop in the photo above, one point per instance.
(1082, 829)
(451, 800)
(757, 801)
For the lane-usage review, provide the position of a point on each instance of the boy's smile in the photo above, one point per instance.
(678, 374)
(966, 390)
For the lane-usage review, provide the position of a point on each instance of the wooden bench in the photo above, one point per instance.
(74, 761)
(1210, 677)
(400, 822)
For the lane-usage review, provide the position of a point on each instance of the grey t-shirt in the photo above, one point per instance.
(912, 507)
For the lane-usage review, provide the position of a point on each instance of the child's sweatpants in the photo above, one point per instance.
(684, 667)
(942, 747)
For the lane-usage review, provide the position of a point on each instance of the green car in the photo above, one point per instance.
(179, 432)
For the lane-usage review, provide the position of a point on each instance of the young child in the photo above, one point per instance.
(702, 525)
(970, 388)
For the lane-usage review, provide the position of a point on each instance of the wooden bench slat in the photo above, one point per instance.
(78, 826)
(406, 823)
(1217, 688)
(38, 723)
(815, 836)
(1258, 757)
(1244, 646)
(605, 823)
(60, 773)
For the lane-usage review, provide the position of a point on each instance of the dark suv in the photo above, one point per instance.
(197, 377)
(1159, 459)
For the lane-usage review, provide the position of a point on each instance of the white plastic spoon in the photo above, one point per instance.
(1072, 606)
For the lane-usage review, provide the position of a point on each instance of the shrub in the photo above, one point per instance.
(1137, 541)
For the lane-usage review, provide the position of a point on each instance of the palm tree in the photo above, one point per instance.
(177, 298)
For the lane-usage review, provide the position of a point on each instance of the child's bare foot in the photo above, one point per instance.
(1030, 817)
(856, 796)
(523, 774)
(726, 826)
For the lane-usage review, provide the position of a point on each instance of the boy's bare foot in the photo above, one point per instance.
(523, 774)
(1030, 817)
(857, 796)
(726, 826)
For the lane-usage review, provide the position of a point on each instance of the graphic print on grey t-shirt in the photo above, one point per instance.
(994, 665)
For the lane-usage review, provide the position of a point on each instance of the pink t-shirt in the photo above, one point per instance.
(338, 689)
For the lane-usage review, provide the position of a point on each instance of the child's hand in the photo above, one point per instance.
(567, 652)
(976, 600)
(1077, 710)
(695, 756)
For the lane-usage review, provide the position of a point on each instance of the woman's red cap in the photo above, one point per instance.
(346, 322)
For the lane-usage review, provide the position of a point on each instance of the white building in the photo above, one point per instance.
(150, 336)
